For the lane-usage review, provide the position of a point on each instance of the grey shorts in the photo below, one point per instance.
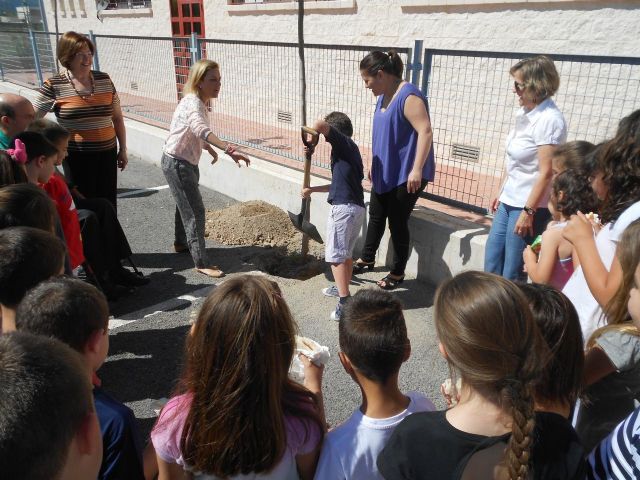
(343, 228)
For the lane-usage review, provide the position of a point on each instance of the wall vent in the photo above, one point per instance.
(465, 152)
(134, 85)
(285, 117)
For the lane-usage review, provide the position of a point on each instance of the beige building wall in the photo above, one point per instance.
(561, 26)
(472, 103)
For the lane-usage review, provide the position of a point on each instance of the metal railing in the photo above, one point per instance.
(473, 110)
(472, 106)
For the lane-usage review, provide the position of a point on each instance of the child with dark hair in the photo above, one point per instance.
(77, 314)
(346, 197)
(25, 205)
(616, 182)
(48, 424)
(489, 338)
(558, 387)
(570, 156)
(555, 262)
(10, 171)
(27, 257)
(96, 236)
(374, 345)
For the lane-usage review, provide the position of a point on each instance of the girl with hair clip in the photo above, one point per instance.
(35, 154)
(237, 414)
(616, 181)
(612, 359)
(189, 134)
(554, 264)
(489, 338)
(402, 162)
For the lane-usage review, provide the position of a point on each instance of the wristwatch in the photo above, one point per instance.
(528, 210)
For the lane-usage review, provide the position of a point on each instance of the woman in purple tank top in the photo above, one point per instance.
(402, 161)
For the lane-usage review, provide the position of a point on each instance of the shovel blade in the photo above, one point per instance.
(309, 229)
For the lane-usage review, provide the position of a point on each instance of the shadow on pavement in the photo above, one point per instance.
(146, 365)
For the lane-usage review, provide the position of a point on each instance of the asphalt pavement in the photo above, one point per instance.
(149, 326)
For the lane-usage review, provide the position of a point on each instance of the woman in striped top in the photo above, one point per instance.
(86, 103)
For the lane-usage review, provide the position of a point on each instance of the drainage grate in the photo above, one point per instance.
(285, 117)
(465, 152)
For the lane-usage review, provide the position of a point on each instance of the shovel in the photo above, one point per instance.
(301, 220)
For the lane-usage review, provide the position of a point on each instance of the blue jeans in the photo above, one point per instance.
(503, 252)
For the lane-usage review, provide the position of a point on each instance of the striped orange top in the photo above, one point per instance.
(88, 118)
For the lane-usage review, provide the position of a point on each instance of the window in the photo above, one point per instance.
(128, 4)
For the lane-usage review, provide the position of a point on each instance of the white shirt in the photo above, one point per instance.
(350, 450)
(189, 128)
(577, 289)
(544, 125)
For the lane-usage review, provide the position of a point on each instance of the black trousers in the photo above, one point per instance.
(395, 206)
(104, 242)
(95, 173)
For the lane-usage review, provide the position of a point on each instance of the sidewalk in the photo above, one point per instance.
(147, 333)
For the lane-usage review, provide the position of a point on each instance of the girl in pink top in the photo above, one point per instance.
(237, 414)
(554, 265)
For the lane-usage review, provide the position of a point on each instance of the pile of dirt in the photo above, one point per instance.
(260, 224)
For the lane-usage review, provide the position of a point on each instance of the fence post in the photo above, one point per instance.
(194, 48)
(36, 57)
(426, 75)
(416, 66)
(96, 59)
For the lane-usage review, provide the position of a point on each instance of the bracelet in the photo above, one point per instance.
(528, 210)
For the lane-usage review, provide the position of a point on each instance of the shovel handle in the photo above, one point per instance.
(310, 137)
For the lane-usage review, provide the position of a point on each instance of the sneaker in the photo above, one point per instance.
(337, 313)
(331, 291)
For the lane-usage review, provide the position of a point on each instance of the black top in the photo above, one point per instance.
(427, 446)
(346, 170)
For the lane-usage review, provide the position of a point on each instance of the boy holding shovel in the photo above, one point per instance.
(346, 197)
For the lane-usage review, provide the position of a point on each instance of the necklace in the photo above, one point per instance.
(84, 96)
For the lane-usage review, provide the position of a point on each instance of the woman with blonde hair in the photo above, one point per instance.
(189, 134)
(520, 208)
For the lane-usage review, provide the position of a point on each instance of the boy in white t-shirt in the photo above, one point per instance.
(374, 345)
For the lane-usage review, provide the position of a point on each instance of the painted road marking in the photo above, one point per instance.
(142, 190)
(182, 302)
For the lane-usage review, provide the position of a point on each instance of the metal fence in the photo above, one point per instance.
(472, 106)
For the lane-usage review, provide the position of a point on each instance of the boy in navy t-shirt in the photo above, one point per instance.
(77, 314)
(347, 203)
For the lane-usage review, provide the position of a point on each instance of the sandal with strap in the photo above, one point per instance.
(389, 283)
(360, 265)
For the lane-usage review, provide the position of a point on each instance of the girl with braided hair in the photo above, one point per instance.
(489, 338)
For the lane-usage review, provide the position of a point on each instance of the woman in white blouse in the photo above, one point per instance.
(520, 208)
(189, 134)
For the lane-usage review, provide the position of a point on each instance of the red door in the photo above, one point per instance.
(187, 17)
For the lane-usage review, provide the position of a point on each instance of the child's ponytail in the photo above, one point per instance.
(520, 396)
(488, 333)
